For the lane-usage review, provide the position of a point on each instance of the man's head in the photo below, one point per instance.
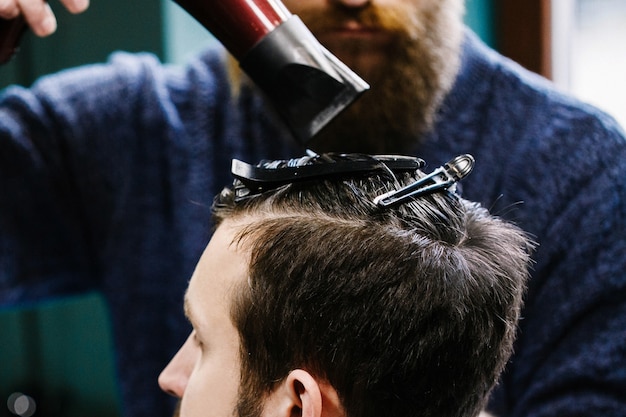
(409, 53)
(312, 299)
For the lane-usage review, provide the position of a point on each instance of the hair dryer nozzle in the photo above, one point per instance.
(307, 84)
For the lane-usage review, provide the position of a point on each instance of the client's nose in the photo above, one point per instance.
(174, 377)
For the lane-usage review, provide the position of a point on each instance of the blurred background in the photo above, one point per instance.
(56, 359)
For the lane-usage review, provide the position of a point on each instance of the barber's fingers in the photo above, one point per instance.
(9, 9)
(76, 6)
(37, 13)
(39, 17)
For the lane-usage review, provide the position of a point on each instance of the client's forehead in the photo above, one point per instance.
(222, 267)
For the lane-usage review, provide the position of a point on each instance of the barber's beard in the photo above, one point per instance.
(418, 70)
(407, 88)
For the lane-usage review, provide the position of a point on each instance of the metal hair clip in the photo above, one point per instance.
(442, 178)
(251, 180)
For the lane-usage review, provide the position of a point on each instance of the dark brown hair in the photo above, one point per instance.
(409, 311)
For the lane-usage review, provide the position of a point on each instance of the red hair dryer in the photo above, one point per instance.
(306, 83)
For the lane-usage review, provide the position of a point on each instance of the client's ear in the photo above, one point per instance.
(302, 395)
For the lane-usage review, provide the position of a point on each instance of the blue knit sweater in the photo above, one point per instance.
(107, 173)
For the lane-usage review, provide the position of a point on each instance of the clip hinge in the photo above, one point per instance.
(442, 178)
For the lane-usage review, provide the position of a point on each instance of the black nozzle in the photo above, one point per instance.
(307, 84)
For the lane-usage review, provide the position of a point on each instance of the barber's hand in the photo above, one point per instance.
(37, 13)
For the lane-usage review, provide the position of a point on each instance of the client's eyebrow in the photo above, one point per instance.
(187, 309)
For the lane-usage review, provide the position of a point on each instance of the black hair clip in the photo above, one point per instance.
(251, 180)
(442, 178)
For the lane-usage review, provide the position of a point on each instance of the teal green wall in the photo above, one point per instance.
(86, 38)
(61, 352)
(480, 17)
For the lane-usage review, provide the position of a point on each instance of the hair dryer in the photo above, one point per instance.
(307, 84)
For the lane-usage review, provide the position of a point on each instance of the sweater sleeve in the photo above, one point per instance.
(73, 148)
